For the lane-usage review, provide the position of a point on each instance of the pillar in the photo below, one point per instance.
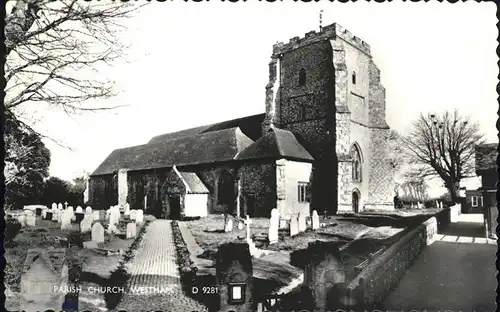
(122, 187)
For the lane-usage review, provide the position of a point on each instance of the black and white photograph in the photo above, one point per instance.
(250, 156)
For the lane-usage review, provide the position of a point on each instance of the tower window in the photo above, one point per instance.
(353, 77)
(302, 77)
(356, 163)
(303, 112)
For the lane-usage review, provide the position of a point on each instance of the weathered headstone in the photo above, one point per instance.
(283, 223)
(131, 230)
(98, 233)
(79, 209)
(31, 220)
(437, 204)
(126, 210)
(88, 209)
(90, 245)
(22, 219)
(294, 226)
(78, 217)
(96, 215)
(60, 206)
(66, 220)
(441, 205)
(55, 215)
(228, 224)
(86, 224)
(133, 214)
(324, 274)
(314, 220)
(54, 206)
(248, 221)
(48, 215)
(273, 227)
(139, 218)
(102, 215)
(302, 222)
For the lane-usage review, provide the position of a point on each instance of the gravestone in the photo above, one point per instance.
(31, 220)
(112, 229)
(60, 206)
(440, 205)
(22, 220)
(86, 224)
(55, 215)
(66, 220)
(43, 269)
(228, 224)
(78, 217)
(90, 245)
(48, 215)
(133, 214)
(437, 204)
(283, 224)
(241, 224)
(127, 209)
(273, 227)
(234, 272)
(314, 220)
(38, 211)
(248, 221)
(139, 217)
(302, 222)
(102, 215)
(88, 210)
(294, 226)
(98, 233)
(324, 273)
(54, 206)
(131, 230)
(79, 209)
(96, 215)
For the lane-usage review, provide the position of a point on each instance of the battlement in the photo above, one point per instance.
(330, 32)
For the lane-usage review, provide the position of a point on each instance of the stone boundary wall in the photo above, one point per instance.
(379, 277)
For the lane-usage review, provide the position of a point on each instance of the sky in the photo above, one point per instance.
(191, 64)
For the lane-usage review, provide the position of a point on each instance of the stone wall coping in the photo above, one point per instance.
(369, 271)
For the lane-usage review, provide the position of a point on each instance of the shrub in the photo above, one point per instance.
(12, 228)
(186, 266)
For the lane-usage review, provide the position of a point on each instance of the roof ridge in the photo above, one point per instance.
(278, 143)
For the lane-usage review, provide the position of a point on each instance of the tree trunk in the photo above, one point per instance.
(454, 188)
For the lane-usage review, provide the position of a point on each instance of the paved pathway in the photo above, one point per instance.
(456, 273)
(155, 283)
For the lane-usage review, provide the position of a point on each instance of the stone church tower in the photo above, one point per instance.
(326, 89)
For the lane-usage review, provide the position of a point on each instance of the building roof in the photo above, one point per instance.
(277, 143)
(54, 258)
(486, 157)
(203, 148)
(195, 185)
(250, 125)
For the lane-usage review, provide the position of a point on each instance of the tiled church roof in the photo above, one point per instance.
(194, 183)
(250, 125)
(277, 143)
(486, 157)
(217, 146)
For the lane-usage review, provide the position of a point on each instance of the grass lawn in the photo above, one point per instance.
(43, 235)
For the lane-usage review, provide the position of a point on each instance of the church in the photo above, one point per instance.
(321, 144)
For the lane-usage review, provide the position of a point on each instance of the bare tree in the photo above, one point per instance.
(54, 50)
(443, 146)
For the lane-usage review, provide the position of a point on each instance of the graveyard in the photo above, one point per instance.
(90, 243)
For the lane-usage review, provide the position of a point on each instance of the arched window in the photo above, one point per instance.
(356, 163)
(353, 77)
(302, 77)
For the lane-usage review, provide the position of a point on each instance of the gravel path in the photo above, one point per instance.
(155, 282)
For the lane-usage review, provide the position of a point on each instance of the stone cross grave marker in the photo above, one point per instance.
(302, 222)
(294, 226)
(98, 233)
(139, 217)
(273, 226)
(315, 220)
(131, 230)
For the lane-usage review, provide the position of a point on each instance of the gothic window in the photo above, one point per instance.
(356, 163)
(353, 77)
(302, 77)
(302, 192)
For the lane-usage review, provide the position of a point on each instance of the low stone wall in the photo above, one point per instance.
(443, 219)
(379, 277)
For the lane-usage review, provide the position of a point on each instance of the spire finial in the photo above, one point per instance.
(320, 20)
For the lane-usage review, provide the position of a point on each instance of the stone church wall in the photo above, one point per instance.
(258, 180)
(103, 191)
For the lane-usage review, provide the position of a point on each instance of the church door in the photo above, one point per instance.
(175, 207)
(355, 202)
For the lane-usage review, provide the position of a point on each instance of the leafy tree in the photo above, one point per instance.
(56, 190)
(27, 162)
(442, 146)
